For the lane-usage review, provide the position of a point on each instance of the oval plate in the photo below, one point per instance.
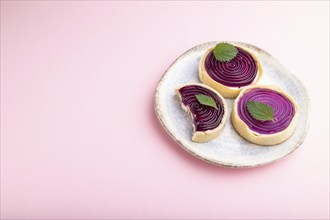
(229, 149)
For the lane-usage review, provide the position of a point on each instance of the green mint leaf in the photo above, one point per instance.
(260, 111)
(225, 52)
(206, 100)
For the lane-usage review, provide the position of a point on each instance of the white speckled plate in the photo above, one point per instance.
(229, 149)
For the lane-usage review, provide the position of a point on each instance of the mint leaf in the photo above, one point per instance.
(206, 100)
(225, 52)
(260, 111)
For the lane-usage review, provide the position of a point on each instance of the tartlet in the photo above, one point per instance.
(208, 122)
(268, 132)
(230, 77)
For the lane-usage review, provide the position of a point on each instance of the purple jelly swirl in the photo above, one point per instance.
(284, 110)
(238, 72)
(205, 117)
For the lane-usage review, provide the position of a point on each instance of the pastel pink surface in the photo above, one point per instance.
(79, 136)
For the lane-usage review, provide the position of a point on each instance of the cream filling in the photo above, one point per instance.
(226, 91)
(263, 139)
(208, 135)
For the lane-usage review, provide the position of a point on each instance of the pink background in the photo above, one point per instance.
(79, 136)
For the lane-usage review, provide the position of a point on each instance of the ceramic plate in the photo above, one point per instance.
(229, 149)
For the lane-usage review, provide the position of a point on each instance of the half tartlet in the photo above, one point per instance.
(265, 132)
(230, 77)
(208, 121)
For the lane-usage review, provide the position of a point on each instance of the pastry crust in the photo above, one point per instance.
(263, 139)
(208, 135)
(226, 91)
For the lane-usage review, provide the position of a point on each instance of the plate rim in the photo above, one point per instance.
(306, 99)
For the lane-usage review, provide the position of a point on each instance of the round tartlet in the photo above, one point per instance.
(269, 132)
(229, 78)
(208, 122)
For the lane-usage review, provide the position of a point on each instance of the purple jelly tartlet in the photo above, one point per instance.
(208, 121)
(230, 77)
(265, 132)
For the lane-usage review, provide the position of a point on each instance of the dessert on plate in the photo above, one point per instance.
(207, 108)
(229, 68)
(264, 115)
